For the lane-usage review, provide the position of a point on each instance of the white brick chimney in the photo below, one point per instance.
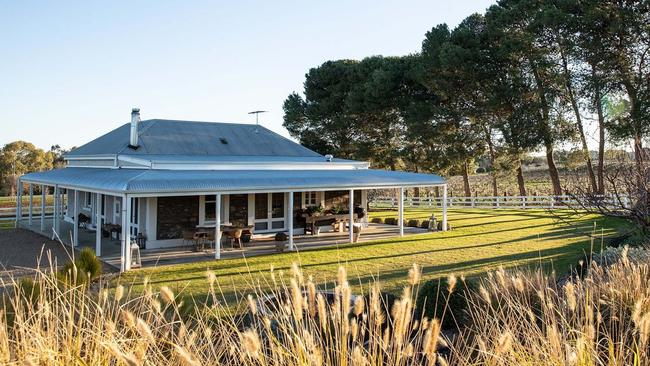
(135, 120)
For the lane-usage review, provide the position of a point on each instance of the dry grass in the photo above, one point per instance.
(515, 318)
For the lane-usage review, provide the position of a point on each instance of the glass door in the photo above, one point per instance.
(135, 215)
(238, 209)
(269, 212)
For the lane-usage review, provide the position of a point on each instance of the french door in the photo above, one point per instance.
(269, 212)
(135, 216)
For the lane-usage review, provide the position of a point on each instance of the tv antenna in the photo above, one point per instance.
(257, 116)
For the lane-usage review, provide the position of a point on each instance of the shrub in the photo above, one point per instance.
(435, 300)
(88, 262)
(390, 221)
(413, 223)
(29, 289)
(377, 220)
(281, 237)
(85, 268)
(424, 224)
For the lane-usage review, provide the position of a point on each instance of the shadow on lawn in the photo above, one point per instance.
(548, 259)
(269, 260)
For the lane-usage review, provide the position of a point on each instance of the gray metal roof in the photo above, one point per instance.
(170, 181)
(189, 138)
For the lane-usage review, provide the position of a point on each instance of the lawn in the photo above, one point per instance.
(481, 240)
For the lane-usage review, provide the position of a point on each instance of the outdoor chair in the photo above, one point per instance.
(188, 238)
(83, 221)
(236, 237)
(210, 239)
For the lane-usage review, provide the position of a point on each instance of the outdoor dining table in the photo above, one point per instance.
(200, 239)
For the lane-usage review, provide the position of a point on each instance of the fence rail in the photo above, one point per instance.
(504, 202)
(9, 213)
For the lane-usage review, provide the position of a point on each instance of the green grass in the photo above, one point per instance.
(7, 202)
(481, 240)
(7, 224)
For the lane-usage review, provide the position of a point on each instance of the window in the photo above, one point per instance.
(88, 199)
(210, 207)
(261, 206)
(310, 199)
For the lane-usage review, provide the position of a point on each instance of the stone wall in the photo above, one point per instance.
(176, 214)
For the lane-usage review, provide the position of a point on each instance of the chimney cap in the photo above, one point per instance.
(135, 110)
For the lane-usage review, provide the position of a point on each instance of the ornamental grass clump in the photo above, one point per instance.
(531, 318)
(513, 317)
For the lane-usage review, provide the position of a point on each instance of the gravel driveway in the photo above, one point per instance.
(20, 250)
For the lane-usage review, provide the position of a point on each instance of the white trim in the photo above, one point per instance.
(278, 190)
(257, 166)
(130, 159)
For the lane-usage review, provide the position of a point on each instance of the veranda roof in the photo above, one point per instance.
(151, 181)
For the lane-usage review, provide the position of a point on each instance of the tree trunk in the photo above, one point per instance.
(493, 173)
(547, 133)
(581, 131)
(601, 142)
(552, 171)
(520, 179)
(468, 191)
(638, 159)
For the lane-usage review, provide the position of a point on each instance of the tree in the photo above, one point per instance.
(320, 120)
(623, 30)
(459, 122)
(516, 26)
(18, 158)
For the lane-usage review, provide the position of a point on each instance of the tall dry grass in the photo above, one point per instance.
(515, 318)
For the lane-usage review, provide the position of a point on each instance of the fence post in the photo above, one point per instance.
(523, 201)
(497, 201)
(473, 202)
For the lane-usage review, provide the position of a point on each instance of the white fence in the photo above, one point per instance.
(9, 213)
(505, 202)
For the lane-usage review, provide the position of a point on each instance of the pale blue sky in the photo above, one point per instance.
(71, 71)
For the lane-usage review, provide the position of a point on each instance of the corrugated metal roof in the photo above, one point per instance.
(170, 137)
(169, 181)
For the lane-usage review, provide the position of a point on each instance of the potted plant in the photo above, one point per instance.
(280, 239)
(314, 210)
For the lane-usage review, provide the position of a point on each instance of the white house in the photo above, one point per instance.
(159, 177)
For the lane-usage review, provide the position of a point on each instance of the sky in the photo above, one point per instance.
(71, 71)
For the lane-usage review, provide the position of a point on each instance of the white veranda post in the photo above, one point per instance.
(55, 214)
(290, 220)
(351, 223)
(75, 212)
(98, 224)
(444, 207)
(217, 226)
(43, 198)
(124, 242)
(127, 203)
(19, 202)
(31, 204)
(401, 211)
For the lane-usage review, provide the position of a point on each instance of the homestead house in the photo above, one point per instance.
(154, 181)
